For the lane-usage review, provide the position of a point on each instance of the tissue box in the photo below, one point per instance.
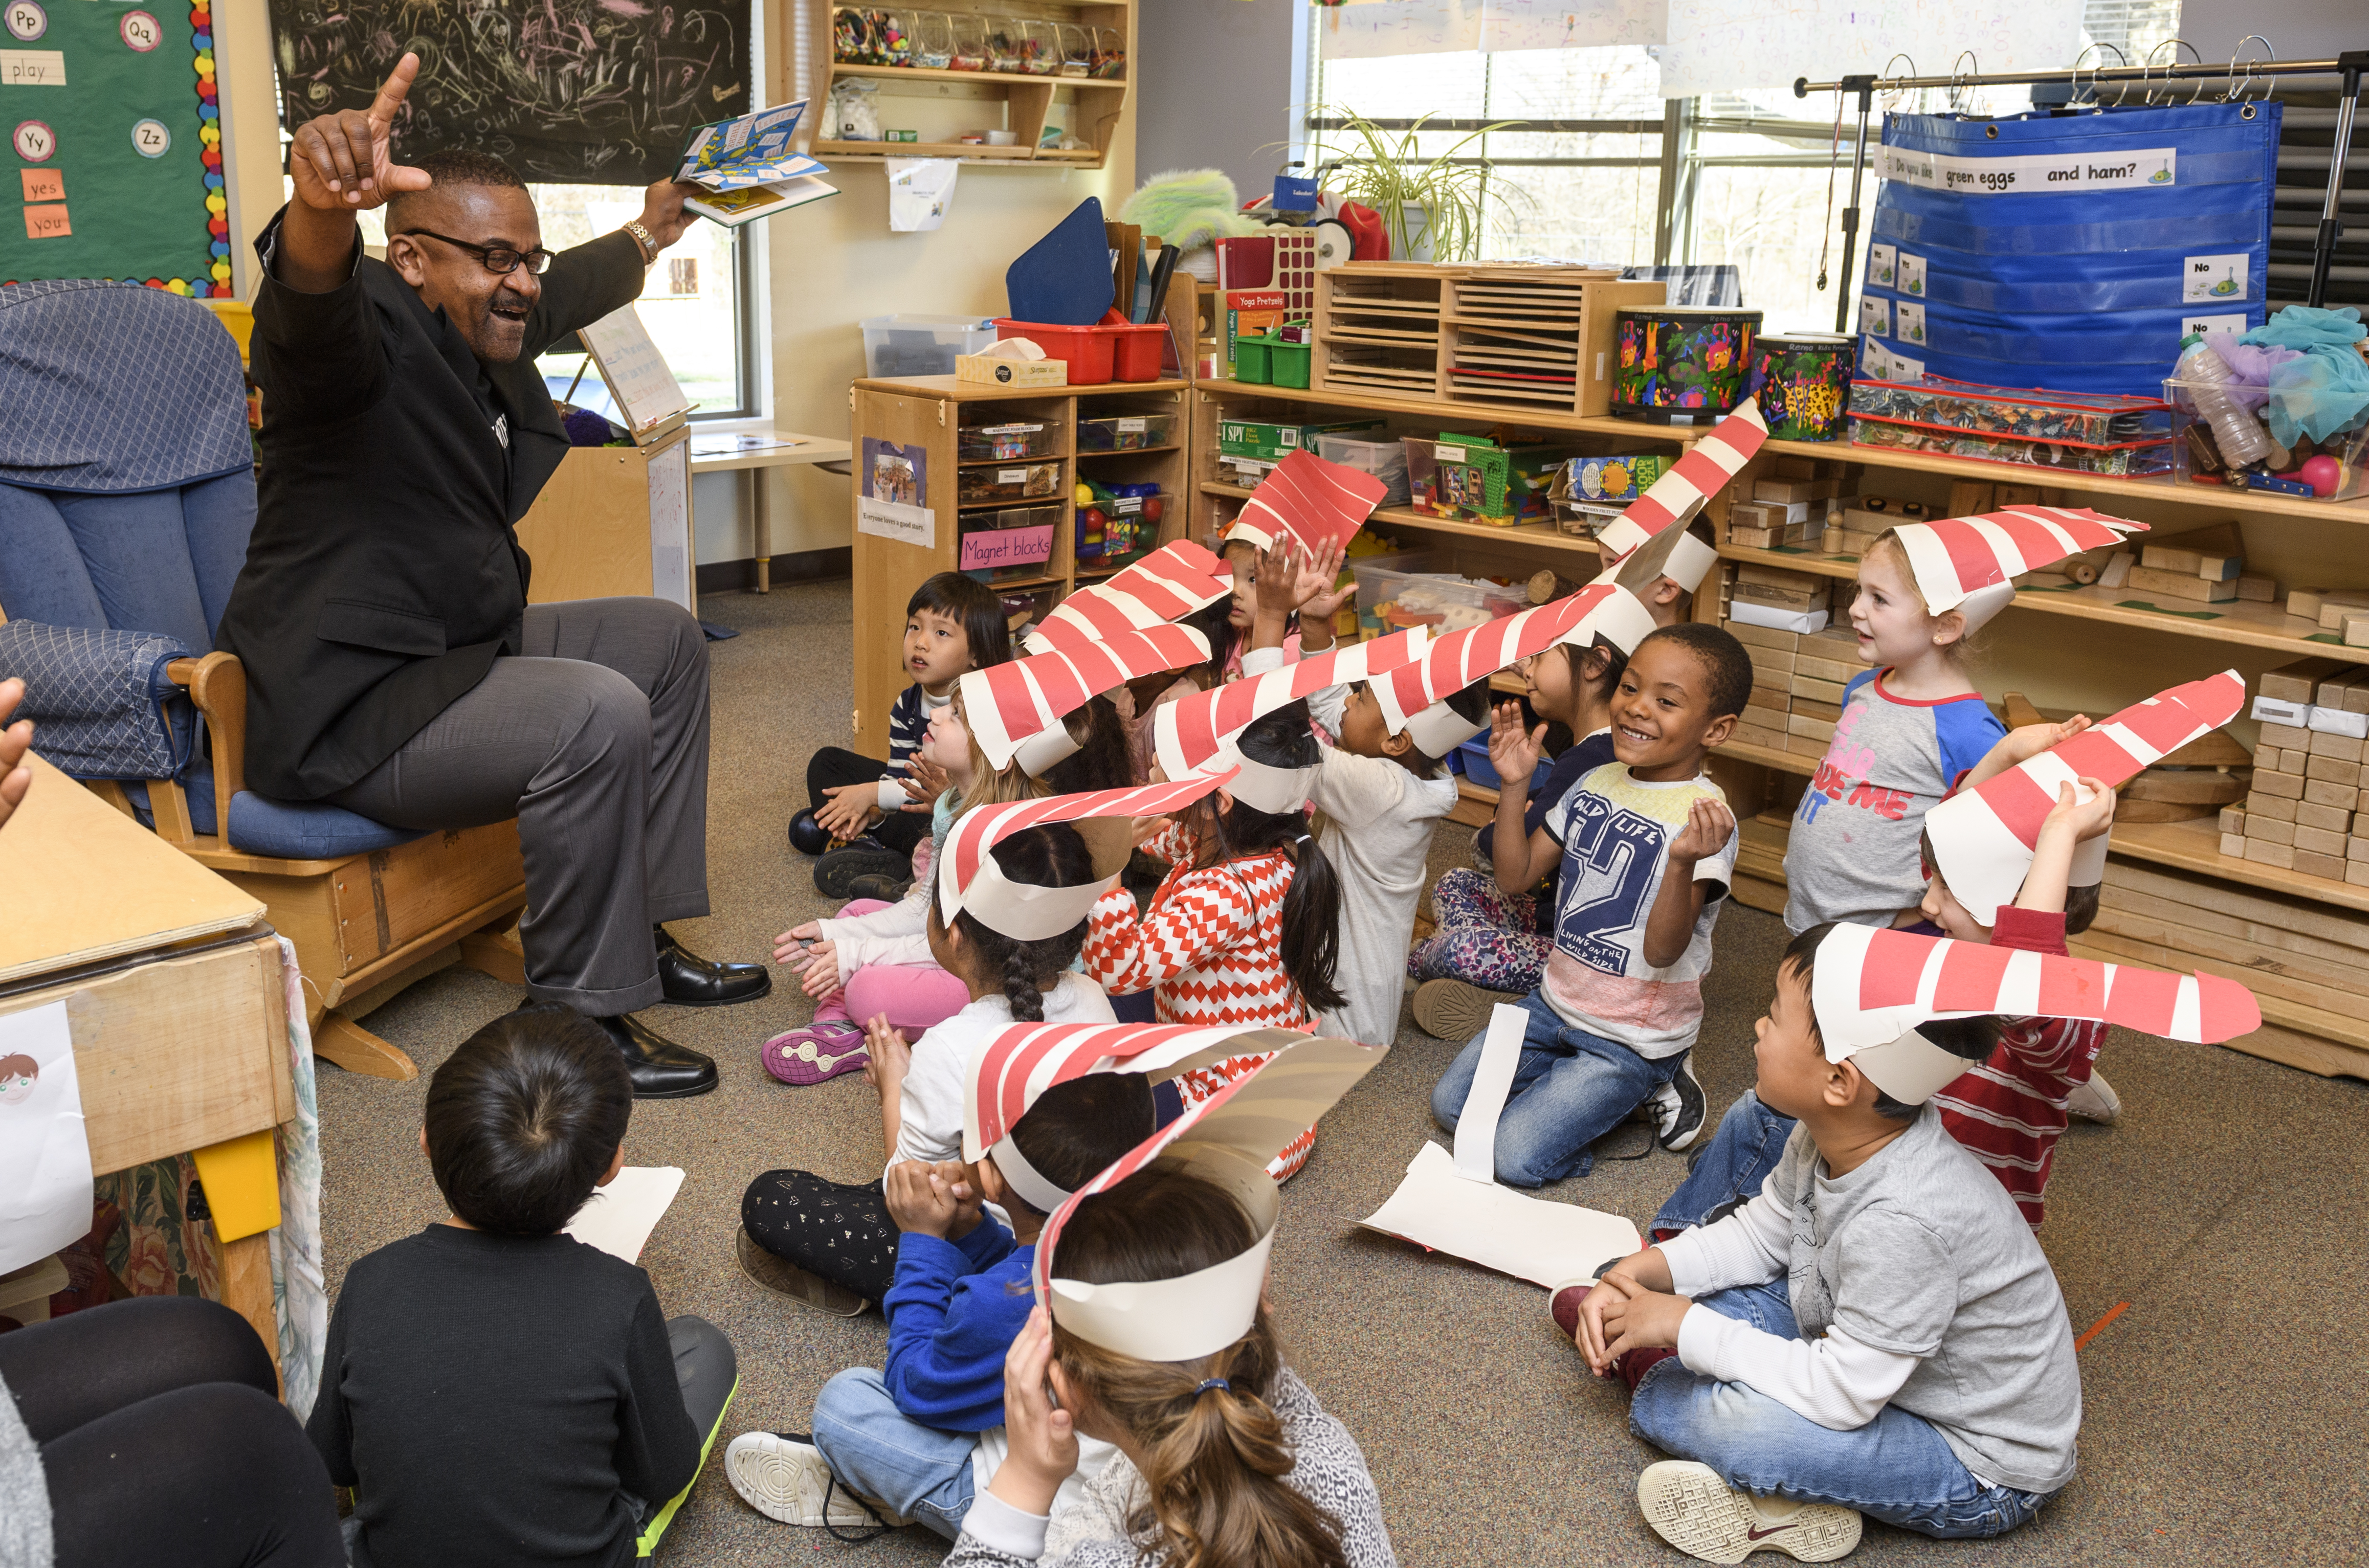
(1000, 372)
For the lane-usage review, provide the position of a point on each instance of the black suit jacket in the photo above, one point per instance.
(383, 578)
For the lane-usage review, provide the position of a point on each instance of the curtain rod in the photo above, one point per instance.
(2234, 70)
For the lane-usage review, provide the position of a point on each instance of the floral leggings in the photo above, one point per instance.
(1485, 937)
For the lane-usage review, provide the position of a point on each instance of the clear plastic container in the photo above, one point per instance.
(933, 41)
(971, 48)
(1002, 43)
(922, 345)
(1126, 432)
(1110, 53)
(1040, 48)
(1020, 481)
(1004, 442)
(1385, 461)
(1077, 50)
(1391, 599)
(847, 36)
(2201, 457)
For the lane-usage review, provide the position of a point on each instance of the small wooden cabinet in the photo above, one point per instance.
(910, 432)
(615, 520)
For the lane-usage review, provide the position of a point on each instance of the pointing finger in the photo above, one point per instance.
(391, 93)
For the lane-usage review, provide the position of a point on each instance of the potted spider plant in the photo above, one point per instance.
(1429, 203)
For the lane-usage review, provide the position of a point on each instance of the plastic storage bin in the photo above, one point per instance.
(1004, 442)
(1005, 541)
(1021, 482)
(1385, 461)
(1255, 361)
(1394, 592)
(2081, 432)
(1126, 432)
(1096, 355)
(1291, 363)
(2344, 474)
(1474, 756)
(922, 345)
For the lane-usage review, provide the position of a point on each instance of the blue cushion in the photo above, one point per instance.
(137, 551)
(43, 577)
(305, 831)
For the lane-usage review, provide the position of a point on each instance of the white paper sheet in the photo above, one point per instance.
(618, 1219)
(45, 1186)
(1493, 1079)
(920, 192)
(894, 520)
(1529, 1238)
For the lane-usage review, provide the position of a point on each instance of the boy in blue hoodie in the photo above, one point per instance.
(920, 1437)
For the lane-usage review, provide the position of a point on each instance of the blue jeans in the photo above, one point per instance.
(1570, 1089)
(1738, 1158)
(876, 1449)
(1896, 1468)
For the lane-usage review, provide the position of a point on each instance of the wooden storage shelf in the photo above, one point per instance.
(1533, 536)
(1132, 451)
(1022, 101)
(1442, 413)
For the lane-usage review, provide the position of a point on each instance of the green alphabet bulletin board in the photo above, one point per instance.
(114, 153)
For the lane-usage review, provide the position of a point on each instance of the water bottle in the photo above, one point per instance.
(2237, 434)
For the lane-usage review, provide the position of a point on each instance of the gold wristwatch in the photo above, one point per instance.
(643, 238)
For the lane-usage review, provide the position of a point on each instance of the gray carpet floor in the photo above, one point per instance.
(2224, 1407)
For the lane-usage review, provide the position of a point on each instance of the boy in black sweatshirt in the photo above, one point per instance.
(496, 1390)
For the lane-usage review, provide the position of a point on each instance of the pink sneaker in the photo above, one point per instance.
(817, 1052)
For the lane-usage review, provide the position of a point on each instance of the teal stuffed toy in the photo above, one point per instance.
(1190, 209)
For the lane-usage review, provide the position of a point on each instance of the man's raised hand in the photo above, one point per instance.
(341, 161)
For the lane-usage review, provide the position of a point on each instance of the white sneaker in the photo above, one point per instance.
(784, 1476)
(1692, 1508)
(2094, 1101)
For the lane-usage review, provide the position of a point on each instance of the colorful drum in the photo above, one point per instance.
(1678, 362)
(1802, 380)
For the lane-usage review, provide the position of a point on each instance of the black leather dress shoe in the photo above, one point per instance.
(807, 835)
(693, 982)
(660, 1069)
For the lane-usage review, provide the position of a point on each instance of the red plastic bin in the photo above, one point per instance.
(1111, 349)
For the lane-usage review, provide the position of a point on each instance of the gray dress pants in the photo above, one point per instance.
(595, 738)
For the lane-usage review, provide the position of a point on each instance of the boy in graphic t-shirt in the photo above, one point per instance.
(1910, 729)
(1647, 848)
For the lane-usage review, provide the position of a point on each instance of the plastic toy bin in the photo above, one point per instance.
(1386, 461)
(922, 345)
(1006, 441)
(1096, 355)
(1126, 432)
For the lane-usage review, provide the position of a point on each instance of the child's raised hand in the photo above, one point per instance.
(2083, 819)
(1316, 584)
(821, 976)
(1709, 823)
(1274, 584)
(1514, 750)
(848, 810)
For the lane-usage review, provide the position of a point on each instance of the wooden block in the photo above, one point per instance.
(1970, 497)
(1807, 745)
(2169, 558)
(2233, 818)
(1769, 661)
(2296, 682)
(2263, 853)
(2320, 792)
(1781, 597)
(2330, 866)
(2335, 602)
(2258, 590)
(1842, 541)
(2329, 692)
(1830, 712)
(1750, 538)
(2180, 585)
(2335, 770)
(2356, 847)
(2212, 539)
(2328, 743)
(2221, 568)
(2319, 841)
(1797, 468)
(2356, 698)
(2356, 872)
(2287, 786)
(1758, 735)
(1787, 490)
(1780, 577)
(2270, 832)
(2234, 846)
(2305, 601)
(2117, 569)
(2271, 807)
(1825, 669)
(2356, 630)
(2291, 736)
(2327, 818)
(2185, 787)
(1802, 723)
(1766, 718)
(1752, 636)
(2293, 761)
(1815, 690)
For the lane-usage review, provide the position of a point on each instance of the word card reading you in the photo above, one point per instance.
(32, 68)
(47, 222)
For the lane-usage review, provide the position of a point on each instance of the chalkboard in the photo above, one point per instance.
(114, 146)
(574, 92)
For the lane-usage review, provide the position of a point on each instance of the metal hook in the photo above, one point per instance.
(1958, 78)
(2236, 92)
(1892, 94)
(2143, 68)
(2076, 98)
(2175, 45)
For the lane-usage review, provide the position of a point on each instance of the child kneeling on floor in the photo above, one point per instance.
(1648, 846)
(1875, 1333)
(924, 1434)
(493, 1388)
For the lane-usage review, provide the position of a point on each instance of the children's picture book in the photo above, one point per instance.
(748, 168)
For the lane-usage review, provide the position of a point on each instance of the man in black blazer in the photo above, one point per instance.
(394, 665)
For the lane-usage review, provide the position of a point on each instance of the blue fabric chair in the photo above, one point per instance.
(127, 495)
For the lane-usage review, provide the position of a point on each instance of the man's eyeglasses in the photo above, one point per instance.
(498, 257)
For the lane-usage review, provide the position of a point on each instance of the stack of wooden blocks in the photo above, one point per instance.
(2307, 811)
(2342, 611)
(2207, 566)
(1791, 507)
(1797, 686)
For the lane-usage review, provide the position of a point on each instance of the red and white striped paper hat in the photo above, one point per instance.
(969, 878)
(1968, 564)
(1226, 1140)
(1009, 1071)
(1983, 838)
(1663, 512)
(1413, 696)
(1313, 502)
(1167, 585)
(1007, 705)
(1198, 732)
(1872, 987)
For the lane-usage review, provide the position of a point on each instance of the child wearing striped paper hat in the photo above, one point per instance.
(1875, 1332)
